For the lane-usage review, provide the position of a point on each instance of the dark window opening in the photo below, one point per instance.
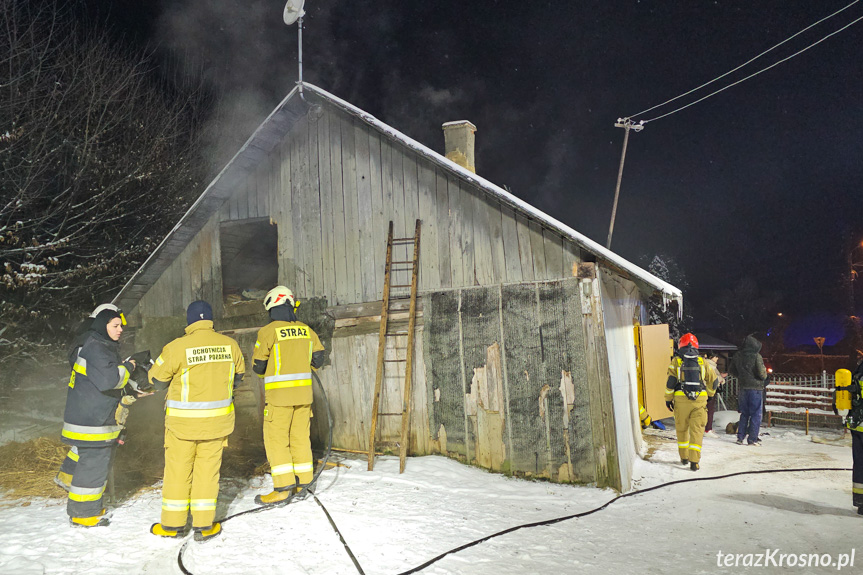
(250, 265)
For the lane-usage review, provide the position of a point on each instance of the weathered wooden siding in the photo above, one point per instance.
(332, 186)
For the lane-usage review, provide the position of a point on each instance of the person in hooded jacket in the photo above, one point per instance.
(79, 335)
(690, 381)
(747, 366)
(285, 353)
(98, 382)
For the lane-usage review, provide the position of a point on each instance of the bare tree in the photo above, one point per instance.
(98, 160)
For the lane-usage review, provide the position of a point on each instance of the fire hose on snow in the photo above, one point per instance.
(437, 558)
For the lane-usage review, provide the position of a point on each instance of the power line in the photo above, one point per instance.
(751, 75)
(745, 63)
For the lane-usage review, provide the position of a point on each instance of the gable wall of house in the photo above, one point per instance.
(332, 186)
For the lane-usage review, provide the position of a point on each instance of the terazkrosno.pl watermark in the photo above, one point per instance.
(776, 558)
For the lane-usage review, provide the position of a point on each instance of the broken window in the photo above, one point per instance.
(250, 265)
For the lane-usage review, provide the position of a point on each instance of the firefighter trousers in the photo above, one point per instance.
(690, 417)
(191, 480)
(67, 469)
(857, 470)
(89, 479)
(289, 448)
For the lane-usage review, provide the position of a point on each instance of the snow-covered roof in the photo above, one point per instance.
(269, 133)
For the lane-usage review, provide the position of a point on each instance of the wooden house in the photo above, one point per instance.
(524, 359)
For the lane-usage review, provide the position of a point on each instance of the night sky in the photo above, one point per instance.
(761, 181)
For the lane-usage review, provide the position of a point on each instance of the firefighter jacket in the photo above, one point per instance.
(284, 357)
(674, 387)
(854, 419)
(95, 388)
(202, 368)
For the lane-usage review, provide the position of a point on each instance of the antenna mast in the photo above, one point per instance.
(294, 13)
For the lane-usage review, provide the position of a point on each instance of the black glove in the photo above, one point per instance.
(669, 405)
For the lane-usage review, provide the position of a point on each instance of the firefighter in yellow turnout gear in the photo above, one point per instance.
(201, 370)
(690, 382)
(285, 353)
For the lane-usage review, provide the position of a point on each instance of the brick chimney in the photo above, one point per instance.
(458, 143)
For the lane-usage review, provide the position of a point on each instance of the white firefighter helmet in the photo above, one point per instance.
(112, 307)
(279, 295)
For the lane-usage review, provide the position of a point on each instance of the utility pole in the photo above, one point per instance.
(626, 124)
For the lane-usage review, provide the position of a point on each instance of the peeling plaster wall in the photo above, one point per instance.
(509, 389)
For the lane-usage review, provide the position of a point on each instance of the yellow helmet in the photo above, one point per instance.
(279, 295)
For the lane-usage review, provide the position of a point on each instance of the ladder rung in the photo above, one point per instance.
(401, 285)
(403, 262)
(397, 333)
(399, 413)
(393, 360)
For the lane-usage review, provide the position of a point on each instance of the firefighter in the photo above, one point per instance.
(98, 382)
(853, 402)
(201, 369)
(285, 353)
(690, 382)
(67, 468)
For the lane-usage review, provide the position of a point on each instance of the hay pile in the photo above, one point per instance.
(28, 469)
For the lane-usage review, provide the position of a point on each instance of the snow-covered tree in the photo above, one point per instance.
(666, 268)
(98, 159)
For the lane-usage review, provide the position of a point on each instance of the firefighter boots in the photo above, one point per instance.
(693, 466)
(275, 496)
(95, 521)
(205, 533)
(162, 531)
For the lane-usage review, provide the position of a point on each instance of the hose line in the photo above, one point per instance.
(296, 496)
(487, 537)
(601, 507)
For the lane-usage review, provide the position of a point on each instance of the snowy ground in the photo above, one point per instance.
(395, 522)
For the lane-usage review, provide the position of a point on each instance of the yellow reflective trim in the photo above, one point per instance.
(175, 504)
(683, 445)
(257, 344)
(184, 378)
(700, 393)
(159, 360)
(281, 384)
(88, 497)
(90, 436)
(72, 381)
(282, 469)
(73, 455)
(203, 504)
(301, 467)
(80, 369)
(694, 447)
(175, 412)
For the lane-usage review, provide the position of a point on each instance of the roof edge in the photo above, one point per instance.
(668, 291)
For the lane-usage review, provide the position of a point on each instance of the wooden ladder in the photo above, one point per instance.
(385, 333)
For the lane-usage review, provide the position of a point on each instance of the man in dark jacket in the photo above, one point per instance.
(747, 366)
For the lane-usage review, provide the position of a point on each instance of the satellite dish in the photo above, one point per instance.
(293, 11)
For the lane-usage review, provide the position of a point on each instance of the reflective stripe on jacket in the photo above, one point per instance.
(287, 348)
(200, 367)
(673, 391)
(95, 389)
